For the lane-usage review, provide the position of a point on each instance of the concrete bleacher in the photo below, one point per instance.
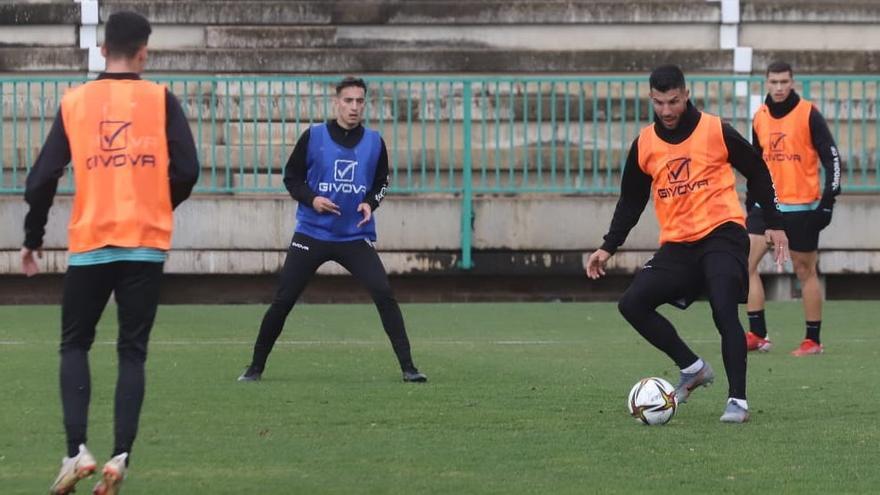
(246, 131)
(422, 234)
(455, 36)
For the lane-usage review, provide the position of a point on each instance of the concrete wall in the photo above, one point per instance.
(530, 235)
(249, 235)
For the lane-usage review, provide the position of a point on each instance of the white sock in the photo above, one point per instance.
(740, 402)
(697, 366)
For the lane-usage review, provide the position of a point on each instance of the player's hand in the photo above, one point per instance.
(596, 263)
(324, 205)
(367, 211)
(779, 242)
(28, 264)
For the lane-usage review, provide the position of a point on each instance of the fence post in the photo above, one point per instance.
(467, 174)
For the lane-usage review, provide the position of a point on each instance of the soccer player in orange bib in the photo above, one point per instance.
(134, 161)
(685, 161)
(793, 138)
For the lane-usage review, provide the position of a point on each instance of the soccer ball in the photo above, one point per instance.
(652, 401)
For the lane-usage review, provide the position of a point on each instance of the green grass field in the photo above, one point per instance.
(522, 398)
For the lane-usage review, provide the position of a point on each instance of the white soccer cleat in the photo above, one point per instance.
(114, 474)
(734, 413)
(73, 469)
(414, 376)
(688, 382)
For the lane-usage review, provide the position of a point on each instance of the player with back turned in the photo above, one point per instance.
(134, 161)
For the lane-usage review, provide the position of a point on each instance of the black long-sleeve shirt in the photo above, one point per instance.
(297, 166)
(635, 186)
(42, 181)
(827, 150)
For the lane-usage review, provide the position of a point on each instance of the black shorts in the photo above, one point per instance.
(802, 234)
(725, 251)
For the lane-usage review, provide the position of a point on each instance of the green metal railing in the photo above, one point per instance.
(493, 134)
(454, 135)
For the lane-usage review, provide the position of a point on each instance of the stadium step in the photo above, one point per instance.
(41, 59)
(422, 12)
(456, 36)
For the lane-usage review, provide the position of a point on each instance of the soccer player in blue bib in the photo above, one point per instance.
(338, 172)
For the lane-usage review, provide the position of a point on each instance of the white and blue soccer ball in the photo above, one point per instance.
(652, 401)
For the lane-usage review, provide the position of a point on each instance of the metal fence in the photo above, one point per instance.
(447, 135)
(453, 135)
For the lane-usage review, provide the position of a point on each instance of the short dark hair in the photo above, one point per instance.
(667, 77)
(350, 82)
(125, 33)
(780, 66)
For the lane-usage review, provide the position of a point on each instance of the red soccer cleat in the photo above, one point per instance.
(756, 343)
(808, 347)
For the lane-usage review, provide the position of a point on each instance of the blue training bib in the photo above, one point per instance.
(344, 176)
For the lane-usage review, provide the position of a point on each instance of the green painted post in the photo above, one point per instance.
(15, 122)
(28, 121)
(467, 173)
(876, 185)
(229, 179)
(213, 117)
(3, 186)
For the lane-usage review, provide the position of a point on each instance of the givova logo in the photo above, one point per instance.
(343, 170)
(777, 151)
(678, 169)
(114, 135)
(777, 141)
(343, 179)
(678, 174)
(114, 144)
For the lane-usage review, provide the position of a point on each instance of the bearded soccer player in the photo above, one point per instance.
(134, 161)
(338, 172)
(685, 161)
(794, 139)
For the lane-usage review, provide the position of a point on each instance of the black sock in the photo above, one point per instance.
(813, 328)
(75, 396)
(757, 324)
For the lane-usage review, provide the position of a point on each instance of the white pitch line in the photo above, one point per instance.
(317, 342)
(536, 342)
(366, 342)
(198, 343)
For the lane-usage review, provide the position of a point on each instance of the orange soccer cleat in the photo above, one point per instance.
(756, 343)
(808, 347)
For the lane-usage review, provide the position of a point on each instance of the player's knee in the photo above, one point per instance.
(733, 337)
(80, 343)
(805, 271)
(129, 351)
(753, 270)
(726, 321)
(283, 303)
(73, 349)
(630, 305)
(383, 296)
